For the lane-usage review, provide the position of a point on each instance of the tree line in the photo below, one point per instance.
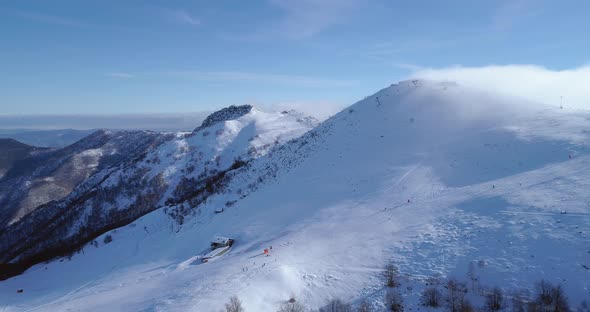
(451, 296)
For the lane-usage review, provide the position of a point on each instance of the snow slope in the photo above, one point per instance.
(486, 178)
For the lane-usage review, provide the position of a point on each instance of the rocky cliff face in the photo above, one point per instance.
(228, 113)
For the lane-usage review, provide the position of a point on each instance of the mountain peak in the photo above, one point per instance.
(227, 113)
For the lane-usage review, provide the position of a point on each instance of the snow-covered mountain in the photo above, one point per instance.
(152, 171)
(439, 179)
(46, 175)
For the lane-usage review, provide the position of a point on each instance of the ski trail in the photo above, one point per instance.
(405, 175)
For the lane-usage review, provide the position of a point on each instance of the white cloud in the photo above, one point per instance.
(534, 83)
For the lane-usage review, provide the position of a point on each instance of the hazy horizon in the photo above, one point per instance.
(147, 121)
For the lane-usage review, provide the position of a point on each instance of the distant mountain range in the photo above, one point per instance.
(155, 122)
(45, 138)
(12, 151)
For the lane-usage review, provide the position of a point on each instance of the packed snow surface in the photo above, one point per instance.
(431, 176)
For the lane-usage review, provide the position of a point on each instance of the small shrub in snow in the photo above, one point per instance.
(431, 297)
(472, 276)
(234, 305)
(238, 163)
(364, 306)
(291, 307)
(466, 306)
(390, 273)
(494, 300)
(107, 239)
(394, 302)
(336, 305)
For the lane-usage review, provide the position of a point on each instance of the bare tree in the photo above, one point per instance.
(455, 295)
(391, 273)
(466, 306)
(472, 276)
(364, 306)
(549, 298)
(560, 303)
(518, 301)
(336, 305)
(494, 300)
(543, 289)
(394, 302)
(431, 297)
(234, 305)
(291, 307)
(534, 306)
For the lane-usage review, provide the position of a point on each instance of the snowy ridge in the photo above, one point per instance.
(432, 176)
(228, 113)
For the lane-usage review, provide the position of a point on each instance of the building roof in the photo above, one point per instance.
(221, 240)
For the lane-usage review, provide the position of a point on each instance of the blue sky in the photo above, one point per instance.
(122, 57)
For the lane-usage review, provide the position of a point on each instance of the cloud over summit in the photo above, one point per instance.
(535, 83)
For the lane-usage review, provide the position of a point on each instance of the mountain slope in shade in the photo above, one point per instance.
(37, 179)
(11, 151)
(46, 138)
(431, 176)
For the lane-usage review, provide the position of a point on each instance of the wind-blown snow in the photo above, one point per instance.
(486, 178)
